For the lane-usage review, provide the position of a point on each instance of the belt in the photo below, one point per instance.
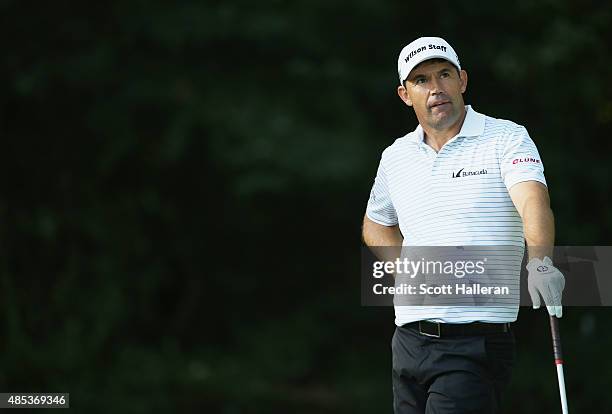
(443, 330)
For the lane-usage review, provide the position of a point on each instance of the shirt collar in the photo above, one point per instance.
(473, 125)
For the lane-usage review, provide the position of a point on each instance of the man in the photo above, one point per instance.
(461, 178)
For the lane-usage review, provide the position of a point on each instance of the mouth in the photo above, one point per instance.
(438, 104)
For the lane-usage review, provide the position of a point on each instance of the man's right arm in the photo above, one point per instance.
(375, 234)
(380, 238)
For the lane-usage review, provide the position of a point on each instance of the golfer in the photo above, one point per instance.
(460, 178)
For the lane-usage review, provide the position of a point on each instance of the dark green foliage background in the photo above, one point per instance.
(183, 185)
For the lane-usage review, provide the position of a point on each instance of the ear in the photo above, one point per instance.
(464, 79)
(403, 94)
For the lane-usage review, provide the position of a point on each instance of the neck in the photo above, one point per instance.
(436, 138)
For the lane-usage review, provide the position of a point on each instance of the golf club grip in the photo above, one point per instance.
(556, 339)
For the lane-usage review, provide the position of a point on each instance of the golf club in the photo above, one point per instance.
(556, 339)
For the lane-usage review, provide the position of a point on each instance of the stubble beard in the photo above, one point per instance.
(444, 121)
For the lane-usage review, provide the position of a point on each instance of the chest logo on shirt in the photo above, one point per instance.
(462, 173)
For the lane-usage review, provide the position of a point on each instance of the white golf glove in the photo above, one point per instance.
(546, 280)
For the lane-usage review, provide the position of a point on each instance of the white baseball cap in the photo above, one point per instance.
(424, 48)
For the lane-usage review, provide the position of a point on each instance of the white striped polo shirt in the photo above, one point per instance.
(457, 197)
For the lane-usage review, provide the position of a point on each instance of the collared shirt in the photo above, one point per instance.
(456, 197)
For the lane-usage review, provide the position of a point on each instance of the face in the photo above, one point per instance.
(434, 89)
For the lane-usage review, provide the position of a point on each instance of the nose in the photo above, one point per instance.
(436, 86)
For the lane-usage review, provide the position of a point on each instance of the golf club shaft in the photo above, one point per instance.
(558, 354)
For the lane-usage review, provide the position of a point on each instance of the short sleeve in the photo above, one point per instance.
(520, 160)
(380, 207)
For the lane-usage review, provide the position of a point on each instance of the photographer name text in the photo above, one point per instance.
(447, 289)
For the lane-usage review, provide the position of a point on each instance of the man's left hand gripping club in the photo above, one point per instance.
(547, 281)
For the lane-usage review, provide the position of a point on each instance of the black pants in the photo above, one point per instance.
(457, 375)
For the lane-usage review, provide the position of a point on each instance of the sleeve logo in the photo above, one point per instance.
(526, 159)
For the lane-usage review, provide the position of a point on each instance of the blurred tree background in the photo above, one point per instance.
(183, 185)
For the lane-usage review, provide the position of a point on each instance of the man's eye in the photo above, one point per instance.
(445, 74)
(419, 81)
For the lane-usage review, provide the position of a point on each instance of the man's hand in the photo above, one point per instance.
(546, 280)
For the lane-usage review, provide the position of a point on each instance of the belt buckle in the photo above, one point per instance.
(428, 334)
